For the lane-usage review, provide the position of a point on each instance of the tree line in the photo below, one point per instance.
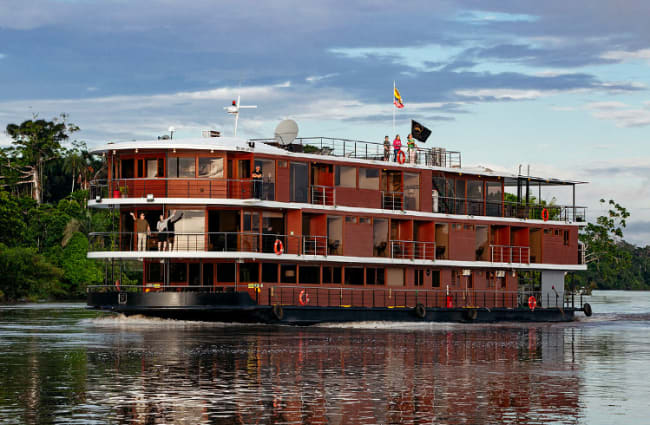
(44, 220)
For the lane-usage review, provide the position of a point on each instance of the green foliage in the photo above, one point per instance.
(27, 275)
(12, 220)
(612, 263)
(79, 271)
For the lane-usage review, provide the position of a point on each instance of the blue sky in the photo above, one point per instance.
(562, 86)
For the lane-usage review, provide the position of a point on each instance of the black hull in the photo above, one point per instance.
(239, 307)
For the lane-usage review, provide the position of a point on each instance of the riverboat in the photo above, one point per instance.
(328, 230)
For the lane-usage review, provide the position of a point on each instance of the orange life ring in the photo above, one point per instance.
(117, 284)
(303, 298)
(449, 301)
(532, 303)
(278, 247)
(545, 214)
(401, 157)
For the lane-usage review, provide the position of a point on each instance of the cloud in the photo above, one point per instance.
(621, 113)
(2, 56)
(623, 55)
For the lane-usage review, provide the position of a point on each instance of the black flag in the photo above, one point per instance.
(419, 131)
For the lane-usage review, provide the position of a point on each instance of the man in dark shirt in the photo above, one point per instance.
(257, 182)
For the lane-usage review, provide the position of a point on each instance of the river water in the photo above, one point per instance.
(60, 363)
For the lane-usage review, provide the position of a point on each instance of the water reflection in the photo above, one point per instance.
(270, 375)
(64, 366)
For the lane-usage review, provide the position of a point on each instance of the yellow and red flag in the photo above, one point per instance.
(398, 99)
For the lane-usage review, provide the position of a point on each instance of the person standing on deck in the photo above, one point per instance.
(410, 143)
(397, 146)
(386, 148)
(143, 230)
(161, 226)
(257, 176)
(171, 221)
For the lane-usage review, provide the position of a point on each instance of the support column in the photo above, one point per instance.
(574, 202)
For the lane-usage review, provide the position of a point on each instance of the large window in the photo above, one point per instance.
(494, 199)
(374, 276)
(354, 275)
(411, 191)
(184, 167)
(346, 176)
(211, 167)
(249, 272)
(269, 272)
(369, 178)
(267, 167)
(226, 272)
(288, 273)
(331, 274)
(178, 272)
(299, 182)
(475, 197)
(310, 274)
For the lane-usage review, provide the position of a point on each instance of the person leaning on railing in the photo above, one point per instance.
(397, 146)
(257, 176)
(410, 143)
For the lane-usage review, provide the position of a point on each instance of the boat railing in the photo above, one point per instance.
(323, 195)
(197, 187)
(393, 200)
(359, 149)
(413, 250)
(480, 207)
(509, 254)
(210, 241)
(299, 295)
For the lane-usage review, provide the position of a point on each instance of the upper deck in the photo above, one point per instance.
(319, 171)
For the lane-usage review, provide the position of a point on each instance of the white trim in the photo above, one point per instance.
(251, 202)
(236, 255)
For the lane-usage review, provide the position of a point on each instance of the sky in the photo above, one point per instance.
(562, 87)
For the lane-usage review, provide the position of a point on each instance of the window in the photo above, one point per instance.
(457, 226)
(351, 219)
(210, 167)
(288, 273)
(494, 198)
(411, 191)
(331, 275)
(128, 171)
(208, 278)
(181, 167)
(269, 272)
(282, 164)
(374, 276)
(364, 220)
(195, 274)
(418, 277)
(298, 182)
(468, 227)
(548, 231)
(435, 278)
(155, 272)
(178, 272)
(566, 238)
(225, 272)
(267, 167)
(310, 274)
(369, 178)
(346, 176)
(354, 275)
(249, 272)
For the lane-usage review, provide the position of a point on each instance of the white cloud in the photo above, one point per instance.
(316, 78)
(626, 55)
(2, 56)
(621, 113)
(505, 94)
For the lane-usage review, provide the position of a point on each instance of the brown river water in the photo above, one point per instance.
(60, 363)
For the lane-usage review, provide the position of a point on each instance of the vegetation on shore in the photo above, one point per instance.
(44, 222)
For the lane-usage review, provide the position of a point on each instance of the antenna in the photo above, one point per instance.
(171, 132)
(234, 109)
(286, 132)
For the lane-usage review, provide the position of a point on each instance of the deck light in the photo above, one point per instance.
(98, 199)
(150, 197)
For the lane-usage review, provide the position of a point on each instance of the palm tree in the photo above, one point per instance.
(74, 164)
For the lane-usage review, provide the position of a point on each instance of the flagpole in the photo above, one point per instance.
(393, 101)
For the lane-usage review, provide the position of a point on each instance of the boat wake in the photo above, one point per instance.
(138, 321)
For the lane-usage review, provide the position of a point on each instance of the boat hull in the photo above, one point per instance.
(239, 307)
